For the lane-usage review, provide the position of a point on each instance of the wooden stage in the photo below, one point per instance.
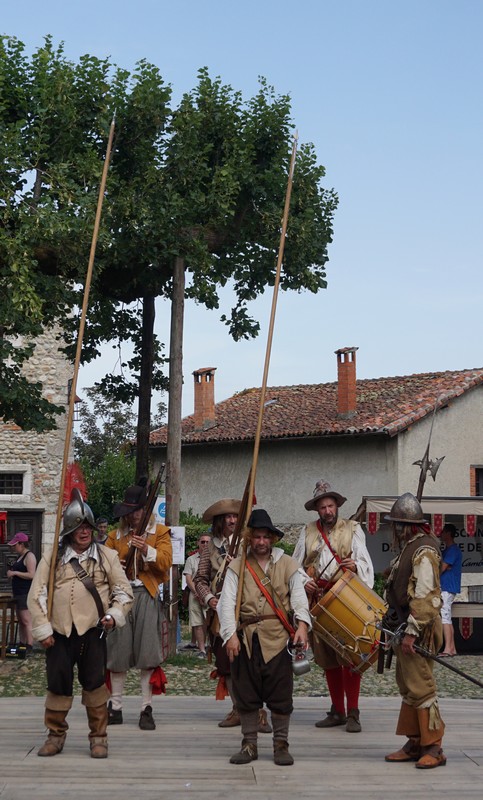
(187, 756)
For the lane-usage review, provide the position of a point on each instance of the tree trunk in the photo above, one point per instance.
(173, 455)
(145, 388)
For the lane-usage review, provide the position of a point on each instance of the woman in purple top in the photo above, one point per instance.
(22, 573)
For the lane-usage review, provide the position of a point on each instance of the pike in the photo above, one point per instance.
(256, 444)
(425, 464)
(73, 385)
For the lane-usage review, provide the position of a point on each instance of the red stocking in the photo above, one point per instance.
(335, 682)
(352, 686)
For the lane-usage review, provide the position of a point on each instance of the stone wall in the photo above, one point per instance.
(39, 456)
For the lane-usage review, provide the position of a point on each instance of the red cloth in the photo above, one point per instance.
(221, 688)
(158, 681)
(108, 681)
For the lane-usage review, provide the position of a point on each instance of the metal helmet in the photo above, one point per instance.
(407, 508)
(76, 513)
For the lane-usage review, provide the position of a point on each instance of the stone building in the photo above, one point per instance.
(31, 463)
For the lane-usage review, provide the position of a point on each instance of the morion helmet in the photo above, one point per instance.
(76, 513)
(407, 508)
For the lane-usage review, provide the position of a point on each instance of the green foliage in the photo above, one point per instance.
(379, 583)
(107, 481)
(105, 427)
(204, 181)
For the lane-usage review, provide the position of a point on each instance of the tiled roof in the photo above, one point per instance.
(384, 405)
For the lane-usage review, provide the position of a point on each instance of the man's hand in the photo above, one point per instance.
(407, 645)
(349, 563)
(48, 642)
(108, 623)
(301, 635)
(140, 544)
(311, 588)
(213, 602)
(233, 647)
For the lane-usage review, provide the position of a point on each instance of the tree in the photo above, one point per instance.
(199, 187)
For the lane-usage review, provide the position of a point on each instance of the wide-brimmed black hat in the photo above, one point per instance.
(261, 519)
(134, 497)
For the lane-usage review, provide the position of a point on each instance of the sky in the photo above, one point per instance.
(390, 93)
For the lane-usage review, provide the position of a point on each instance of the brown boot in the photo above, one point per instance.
(248, 752)
(353, 721)
(98, 720)
(332, 719)
(410, 752)
(432, 729)
(231, 720)
(56, 723)
(281, 755)
(263, 723)
(431, 757)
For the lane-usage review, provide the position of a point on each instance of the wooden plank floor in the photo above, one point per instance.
(187, 756)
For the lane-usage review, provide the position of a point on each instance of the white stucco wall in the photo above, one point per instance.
(287, 472)
(457, 435)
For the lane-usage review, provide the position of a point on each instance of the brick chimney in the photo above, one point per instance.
(204, 398)
(346, 382)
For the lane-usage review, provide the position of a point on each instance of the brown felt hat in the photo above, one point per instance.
(220, 508)
(324, 489)
(134, 497)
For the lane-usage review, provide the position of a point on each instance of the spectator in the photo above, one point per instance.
(450, 585)
(196, 612)
(22, 573)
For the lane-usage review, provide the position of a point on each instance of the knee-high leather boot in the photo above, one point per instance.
(56, 709)
(407, 725)
(431, 727)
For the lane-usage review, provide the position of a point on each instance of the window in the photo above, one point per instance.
(11, 482)
(479, 481)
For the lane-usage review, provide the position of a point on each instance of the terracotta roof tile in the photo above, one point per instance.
(384, 405)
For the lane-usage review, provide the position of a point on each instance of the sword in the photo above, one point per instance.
(394, 637)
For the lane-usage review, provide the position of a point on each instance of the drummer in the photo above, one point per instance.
(327, 547)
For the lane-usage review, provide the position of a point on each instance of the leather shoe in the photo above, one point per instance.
(114, 715)
(146, 719)
(248, 752)
(429, 761)
(332, 719)
(231, 720)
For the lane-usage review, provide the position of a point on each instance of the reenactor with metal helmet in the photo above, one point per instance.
(91, 597)
(414, 598)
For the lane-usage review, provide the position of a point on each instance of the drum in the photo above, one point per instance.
(346, 617)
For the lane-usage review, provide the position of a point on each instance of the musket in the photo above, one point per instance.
(425, 464)
(395, 638)
(235, 539)
(80, 336)
(143, 524)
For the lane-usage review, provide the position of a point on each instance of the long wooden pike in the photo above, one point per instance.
(263, 390)
(424, 463)
(80, 336)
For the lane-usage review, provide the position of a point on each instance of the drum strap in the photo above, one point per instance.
(263, 582)
(326, 540)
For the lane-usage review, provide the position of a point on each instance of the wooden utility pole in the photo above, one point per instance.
(173, 455)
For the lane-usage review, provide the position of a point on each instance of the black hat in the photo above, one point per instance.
(134, 497)
(260, 519)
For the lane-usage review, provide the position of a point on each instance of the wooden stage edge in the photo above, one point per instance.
(187, 755)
